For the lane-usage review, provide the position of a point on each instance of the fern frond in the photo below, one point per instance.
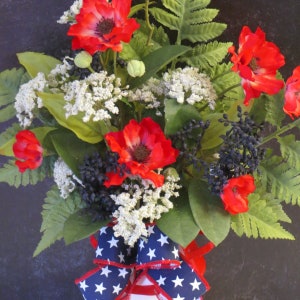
(281, 178)
(290, 149)
(206, 55)
(191, 19)
(262, 220)
(56, 211)
(8, 134)
(10, 174)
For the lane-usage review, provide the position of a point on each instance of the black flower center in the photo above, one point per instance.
(105, 26)
(141, 153)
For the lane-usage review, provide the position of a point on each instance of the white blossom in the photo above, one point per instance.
(27, 99)
(64, 178)
(59, 75)
(190, 86)
(95, 96)
(140, 202)
(69, 15)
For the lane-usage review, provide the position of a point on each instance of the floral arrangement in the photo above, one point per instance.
(153, 130)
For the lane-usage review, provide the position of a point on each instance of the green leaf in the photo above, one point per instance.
(90, 132)
(35, 62)
(262, 220)
(9, 173)
(56, 211)
(69, 148)
(206, 55)
(290, 149)
(158, 59)
(208, 212)
(177, 115)
(80, 226)
(178, 223)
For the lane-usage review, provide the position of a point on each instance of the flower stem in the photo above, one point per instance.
(222, 74)
(279, 132)
(230, 88)
(151, 28)
(102, 61)
(115, 63)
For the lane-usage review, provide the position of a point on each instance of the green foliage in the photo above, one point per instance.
(7, 138)
(35, 62)
(90, 132)
(139, 47)
(177, 115)
(79, 226)
(280, 177)
(208, 212)
(178, 223)
(290, 149)
(204, 56)
(262, 219)
(191, 20)
(10, 81)
(9, 173)
(158, 59)
(56, 211)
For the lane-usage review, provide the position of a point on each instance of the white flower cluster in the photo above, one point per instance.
(64, 178)
(139, 203)
(148, 93)
(59, 75)
(26, 99)
(95, 96)
(69, 15)
(189, 85)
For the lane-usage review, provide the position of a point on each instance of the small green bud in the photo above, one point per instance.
(83, 59)
(136, 68)
(171, 172)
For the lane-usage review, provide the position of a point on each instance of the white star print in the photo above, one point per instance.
(163, 239)
(178, 297)
(161, 280)
(83, 285)
(99, 251)
(103, 230)
(113, 242)
(122, 273)
(150, 230)
(178, 281)
(141, 245)
(121, 257)
(151, 253)
(175, 252)
(117, 289)
(195, 284)
(105, 271)
(100, 288)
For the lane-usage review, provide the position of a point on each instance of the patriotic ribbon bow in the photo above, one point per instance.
(156, 269)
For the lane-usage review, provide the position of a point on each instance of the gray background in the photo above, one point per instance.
(237, 269)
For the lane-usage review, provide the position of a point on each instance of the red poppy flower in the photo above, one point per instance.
(257, 62)
(292, 94)
(102, 25)
(27, 148)
(235, 193)
(142, 148)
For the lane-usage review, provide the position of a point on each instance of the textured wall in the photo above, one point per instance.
(238, 269)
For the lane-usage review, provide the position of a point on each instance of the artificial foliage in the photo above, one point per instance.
(124, 122)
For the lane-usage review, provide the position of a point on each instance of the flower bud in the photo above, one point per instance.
(171, 172)
(135, 68)
(83, 59)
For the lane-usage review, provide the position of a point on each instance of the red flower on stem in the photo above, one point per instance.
(292, 94)
(28, 150)
(142, 148)
(235, 193)
(102, 25)
(257, 62)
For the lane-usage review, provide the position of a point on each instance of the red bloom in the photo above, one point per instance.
(102, 25)
(235, 193)
(292, 94)
(142, 148)
(27, 148)
(257, 62)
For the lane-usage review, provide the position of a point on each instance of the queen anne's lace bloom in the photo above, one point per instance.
(139, 203)
(190, 86)
(95, 96)
(69, 15)
(26, 99)
(64, 178)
